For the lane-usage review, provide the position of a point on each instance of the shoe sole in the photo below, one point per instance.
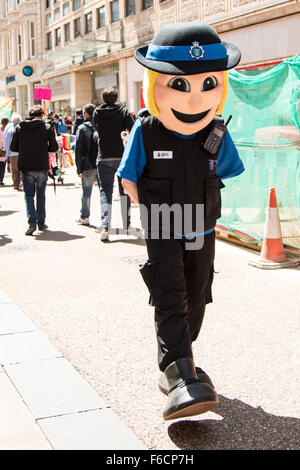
(192, 410)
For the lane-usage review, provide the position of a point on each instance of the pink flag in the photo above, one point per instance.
(43, 94)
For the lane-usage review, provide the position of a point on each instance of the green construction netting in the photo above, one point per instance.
(265, 105)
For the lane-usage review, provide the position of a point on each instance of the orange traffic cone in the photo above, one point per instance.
(272, 254)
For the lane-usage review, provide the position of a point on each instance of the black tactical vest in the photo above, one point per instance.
(177, 172)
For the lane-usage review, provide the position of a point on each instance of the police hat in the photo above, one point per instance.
(188, 49)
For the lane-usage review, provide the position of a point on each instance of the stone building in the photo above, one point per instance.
(78, 47)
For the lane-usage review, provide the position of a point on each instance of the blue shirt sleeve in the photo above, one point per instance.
(229, 162)
(134, 157)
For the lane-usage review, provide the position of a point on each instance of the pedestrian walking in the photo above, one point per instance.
(60, 126)
(110, 120)
(86, 152)
(34, 140)
(175, 158)
(78, 120)
(12, 156)
(3, 157)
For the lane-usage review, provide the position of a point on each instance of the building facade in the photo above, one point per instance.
(78, 47)
(20, 49)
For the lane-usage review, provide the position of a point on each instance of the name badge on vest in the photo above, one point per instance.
(162, 154)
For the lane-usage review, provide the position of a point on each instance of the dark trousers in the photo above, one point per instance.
(34, 184)
(2, 171)
(179, 282)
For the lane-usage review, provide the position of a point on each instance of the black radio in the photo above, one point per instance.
(215, 137)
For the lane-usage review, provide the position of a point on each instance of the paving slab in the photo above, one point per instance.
(18, 429)
(53, 387)
(13, 319)
(90, 430)
(24, 347)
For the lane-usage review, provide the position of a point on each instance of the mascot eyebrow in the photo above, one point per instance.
(150, 77)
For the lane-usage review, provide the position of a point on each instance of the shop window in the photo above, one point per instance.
(77, 27)
(147, 4)
(100, 17)
(67, 29)
(130, 7)
(57, 36)
(114, 10)
(88, 23)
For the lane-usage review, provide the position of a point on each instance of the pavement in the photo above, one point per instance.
(78, 351)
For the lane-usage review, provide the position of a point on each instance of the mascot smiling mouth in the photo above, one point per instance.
(189, 117)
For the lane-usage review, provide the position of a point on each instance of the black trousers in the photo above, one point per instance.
(179, 282)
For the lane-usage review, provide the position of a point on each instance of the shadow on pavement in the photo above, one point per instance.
(242, 428)
(57, 236)
(130, 241)
(4, 213)
(4, 240)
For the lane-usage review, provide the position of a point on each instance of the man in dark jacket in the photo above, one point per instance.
(33, 140)
(110, 120)
(78, 120)
(85, 157)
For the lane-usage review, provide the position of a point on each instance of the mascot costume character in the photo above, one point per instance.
(175, 157)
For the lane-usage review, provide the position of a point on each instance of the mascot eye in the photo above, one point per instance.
(180, 84)
(209, 83)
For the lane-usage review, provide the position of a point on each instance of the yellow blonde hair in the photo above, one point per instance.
(148, 91)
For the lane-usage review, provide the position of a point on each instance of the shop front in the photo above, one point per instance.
(107, 76)
(61, 101)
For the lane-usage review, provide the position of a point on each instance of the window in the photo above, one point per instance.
(19, 46)
(32, 40)
(77, 27)
(86, 2)
(88, 23)
(147, 4)
(76, 4)
(48, 19)
(101, 17)
(67, 28)
(114, 10)
(56, 14)
(130, 7)
(47, 4)
(57, 36)
(66, 8)
(49, 40)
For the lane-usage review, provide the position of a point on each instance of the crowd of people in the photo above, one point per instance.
(25, 145)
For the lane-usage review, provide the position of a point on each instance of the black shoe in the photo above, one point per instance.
(31, 229)
(202, 376)
(187, 396)
(43, 227)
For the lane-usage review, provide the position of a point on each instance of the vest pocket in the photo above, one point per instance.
(155, 191)
(213, 197)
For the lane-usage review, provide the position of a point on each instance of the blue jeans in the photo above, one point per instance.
(87, 181)
(34, 182)
(106, 176)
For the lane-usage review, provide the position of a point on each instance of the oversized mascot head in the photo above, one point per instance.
(186, 75)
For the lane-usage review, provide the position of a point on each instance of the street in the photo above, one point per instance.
(90, 301)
